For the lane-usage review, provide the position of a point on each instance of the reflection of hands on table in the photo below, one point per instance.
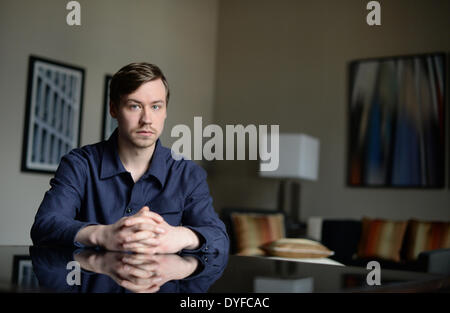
(138, 272)
(166, 267)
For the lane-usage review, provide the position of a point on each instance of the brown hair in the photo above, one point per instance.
(131, 77)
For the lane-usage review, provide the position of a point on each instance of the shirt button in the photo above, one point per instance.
(129, 210)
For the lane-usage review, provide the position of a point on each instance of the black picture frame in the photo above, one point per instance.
(53, 114)
(369, 82)
(23, 275)
(109, 123)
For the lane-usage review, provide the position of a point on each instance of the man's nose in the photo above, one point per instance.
(146, 116)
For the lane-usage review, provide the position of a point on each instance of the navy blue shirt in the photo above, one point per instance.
(91, 186)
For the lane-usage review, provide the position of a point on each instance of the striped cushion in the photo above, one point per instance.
(381, 239)
(254, 230)
(296, 248)
(424, 236)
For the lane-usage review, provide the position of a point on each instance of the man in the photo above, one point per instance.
(128, 193)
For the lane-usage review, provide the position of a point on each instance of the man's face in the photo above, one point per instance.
(141, 114)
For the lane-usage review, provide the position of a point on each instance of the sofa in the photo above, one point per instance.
(410, 245)
(270, 233)
(353, 242)
(276, 225)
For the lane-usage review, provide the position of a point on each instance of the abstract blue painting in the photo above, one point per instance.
(397, 121)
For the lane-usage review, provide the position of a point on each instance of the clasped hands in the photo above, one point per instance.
(146, 232)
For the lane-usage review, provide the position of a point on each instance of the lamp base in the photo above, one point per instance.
(295, 229)
(290, 190)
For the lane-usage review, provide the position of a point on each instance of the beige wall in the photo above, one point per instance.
(284, 62)
(180, 36)
(231, 61)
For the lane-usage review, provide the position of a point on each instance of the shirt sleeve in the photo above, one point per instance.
(200, 217)
(55, 221)
(210, 268)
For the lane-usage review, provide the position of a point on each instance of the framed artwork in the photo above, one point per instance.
(396, 134)
(23, 275)
(53, 113)
(109, 123)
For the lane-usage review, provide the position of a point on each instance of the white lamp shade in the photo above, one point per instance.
(298, 157)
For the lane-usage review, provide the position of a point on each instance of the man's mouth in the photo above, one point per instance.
(145, 132)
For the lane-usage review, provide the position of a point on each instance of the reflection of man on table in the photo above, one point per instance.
(107, 271)
(128, 193)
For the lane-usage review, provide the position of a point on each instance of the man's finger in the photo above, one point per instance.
(131, 286)
(142, 219)
(136, 272)
(143, 210)
(140, 248)
(143, 249)
(153, 215)
(142, 258)
(143, 264)
(142, 235)
(146, 226)
(152, 268)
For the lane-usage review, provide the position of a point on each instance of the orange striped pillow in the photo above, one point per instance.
(424, 236)
(381, 239)
(253, 230)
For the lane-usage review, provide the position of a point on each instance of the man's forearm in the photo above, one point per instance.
(91, 235)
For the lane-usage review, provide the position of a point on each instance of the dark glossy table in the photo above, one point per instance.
(34, 269)
(260, 274)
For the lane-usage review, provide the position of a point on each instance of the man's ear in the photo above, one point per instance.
(113, 109)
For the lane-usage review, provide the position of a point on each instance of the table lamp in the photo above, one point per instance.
(298, 160)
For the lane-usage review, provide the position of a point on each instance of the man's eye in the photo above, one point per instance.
(134, 107)
(155, 107)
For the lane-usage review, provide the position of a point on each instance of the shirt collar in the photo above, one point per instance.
(158, 164)
(112, 165)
